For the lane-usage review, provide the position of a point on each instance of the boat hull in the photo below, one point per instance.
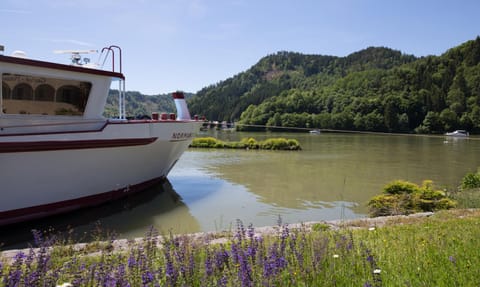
(46, 174)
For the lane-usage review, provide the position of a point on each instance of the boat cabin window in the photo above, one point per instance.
(23, 94)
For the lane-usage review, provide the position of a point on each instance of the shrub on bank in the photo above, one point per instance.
(401, 198)
(471, 180)
(468, 194)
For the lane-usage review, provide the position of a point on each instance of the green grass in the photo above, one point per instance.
(432, 253)
(469, 198)
(441, 250)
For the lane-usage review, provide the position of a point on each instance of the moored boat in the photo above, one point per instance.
(458, 133)
(57, 150)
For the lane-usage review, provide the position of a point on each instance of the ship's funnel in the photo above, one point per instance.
(181, 105)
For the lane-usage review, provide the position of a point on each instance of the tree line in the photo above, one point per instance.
(138, 105)
(376, 89)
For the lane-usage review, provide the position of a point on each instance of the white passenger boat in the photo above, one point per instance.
(57, 151)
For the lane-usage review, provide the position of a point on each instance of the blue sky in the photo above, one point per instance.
(186, 45)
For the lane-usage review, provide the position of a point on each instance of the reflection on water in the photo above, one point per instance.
(331, 178)
(221, 186)
(130, 217)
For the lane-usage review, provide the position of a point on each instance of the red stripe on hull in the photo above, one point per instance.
(40, 211)
(13, 147)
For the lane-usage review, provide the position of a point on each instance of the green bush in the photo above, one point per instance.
(206, 142)
(399, 187)
(471, 180)
(382, 205)
(250, 143)
(402, 197)
(280, 144)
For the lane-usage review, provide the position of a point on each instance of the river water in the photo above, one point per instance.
(332, 177)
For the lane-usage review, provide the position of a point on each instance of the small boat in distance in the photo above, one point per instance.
(315, 132)
(458, 133)
(59, 153)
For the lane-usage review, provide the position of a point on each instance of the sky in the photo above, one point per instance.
(170, 45)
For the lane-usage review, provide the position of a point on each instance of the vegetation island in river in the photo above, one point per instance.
(247, 143)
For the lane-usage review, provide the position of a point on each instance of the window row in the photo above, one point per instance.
(48, 96)
(43, 92)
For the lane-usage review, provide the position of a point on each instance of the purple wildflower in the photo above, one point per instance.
(37, 237)
(120, 276)
(110, 281)
(235, 253)
(191, 265)
(221, 258)
(250, 231)
(370, 259)
(170, 271)
(131, 261)
(377, 279)
(245, 271)
(208, 263)
(275, 262)
(179, 253)
(452, 259)
(251, 252)
(147, 277)
(320, 247)
(222, 282)
(240, 235)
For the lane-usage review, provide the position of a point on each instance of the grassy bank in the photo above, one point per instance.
(247, 143)
(441, 250)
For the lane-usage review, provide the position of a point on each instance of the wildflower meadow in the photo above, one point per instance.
(442, 250)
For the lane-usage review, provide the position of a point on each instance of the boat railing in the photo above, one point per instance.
(106, 51)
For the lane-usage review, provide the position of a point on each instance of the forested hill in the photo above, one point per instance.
(138, 105)
(284, 71)
(376, 89)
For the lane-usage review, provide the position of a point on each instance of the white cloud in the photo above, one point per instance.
(73, 42)
(15, 11)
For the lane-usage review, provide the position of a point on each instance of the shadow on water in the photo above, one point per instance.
(128, 217)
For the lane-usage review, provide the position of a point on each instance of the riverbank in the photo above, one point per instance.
(427, 249)
(222, 237)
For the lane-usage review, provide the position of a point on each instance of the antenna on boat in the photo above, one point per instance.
(77, 58)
